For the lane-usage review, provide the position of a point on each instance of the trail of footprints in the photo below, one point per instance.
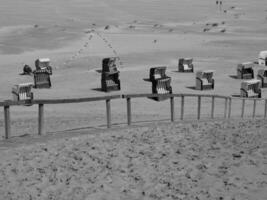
(86, 44)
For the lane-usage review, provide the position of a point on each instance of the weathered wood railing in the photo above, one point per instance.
(182, 96)
(41, 102)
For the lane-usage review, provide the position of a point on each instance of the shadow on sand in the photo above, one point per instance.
(99, 71)
(98, 89)
(233, 76)
(235, 95)
(191, 87)
(147, 79)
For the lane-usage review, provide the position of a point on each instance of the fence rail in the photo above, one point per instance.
(41, 102)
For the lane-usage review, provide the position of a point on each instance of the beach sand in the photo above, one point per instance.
(189, 160)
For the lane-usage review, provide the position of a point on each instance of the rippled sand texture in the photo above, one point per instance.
(199, 160)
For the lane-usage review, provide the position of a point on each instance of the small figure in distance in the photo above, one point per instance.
(27, 70)
(220, 5)
(217, 2)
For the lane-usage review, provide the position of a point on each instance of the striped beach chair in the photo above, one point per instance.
(22, 92)
(161, 86)
(42, 79)
(110, 75)
(161, 83)
(251, 89)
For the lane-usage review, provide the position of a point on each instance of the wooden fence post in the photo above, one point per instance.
(243, 108)
(182, 107)
(7, 121)
(254, 108)
(265, 110)
(230, 108)
(129, 112)
(40, 119)
(172, 108)
(225, 107)
(198, 107)
(212, 107)
(108, 113)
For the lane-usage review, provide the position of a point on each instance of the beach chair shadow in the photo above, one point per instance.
(99, 71)
(147, 79)
(191, 87)
(235, 95)
(233, 76)
(98, 89)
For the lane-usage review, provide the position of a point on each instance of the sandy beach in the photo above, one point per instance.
(78, 158)
(77, 36)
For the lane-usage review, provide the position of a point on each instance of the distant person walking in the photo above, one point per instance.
(221, 5)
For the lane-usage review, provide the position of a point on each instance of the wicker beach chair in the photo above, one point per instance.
(262, 76)
(245, 70)
(185, 65)
(43, 64)
(22, 92)
(157, 73)
(161, 83)
(204, 80)
(251, 89)
(110, 75)
(42, 79)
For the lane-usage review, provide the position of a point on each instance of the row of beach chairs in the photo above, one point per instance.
(161, 83)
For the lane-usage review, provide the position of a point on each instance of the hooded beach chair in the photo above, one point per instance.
(110, 75)
(245, 70)
(204, 80)
(161, 86)
(156, 73)
(262, 76)
(161, 83)
(43, 64)
(251, 89)
(186, 65)
(22, 92)
(42, 79)
(262, 59)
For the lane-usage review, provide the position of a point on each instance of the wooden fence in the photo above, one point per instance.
(227, 106)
